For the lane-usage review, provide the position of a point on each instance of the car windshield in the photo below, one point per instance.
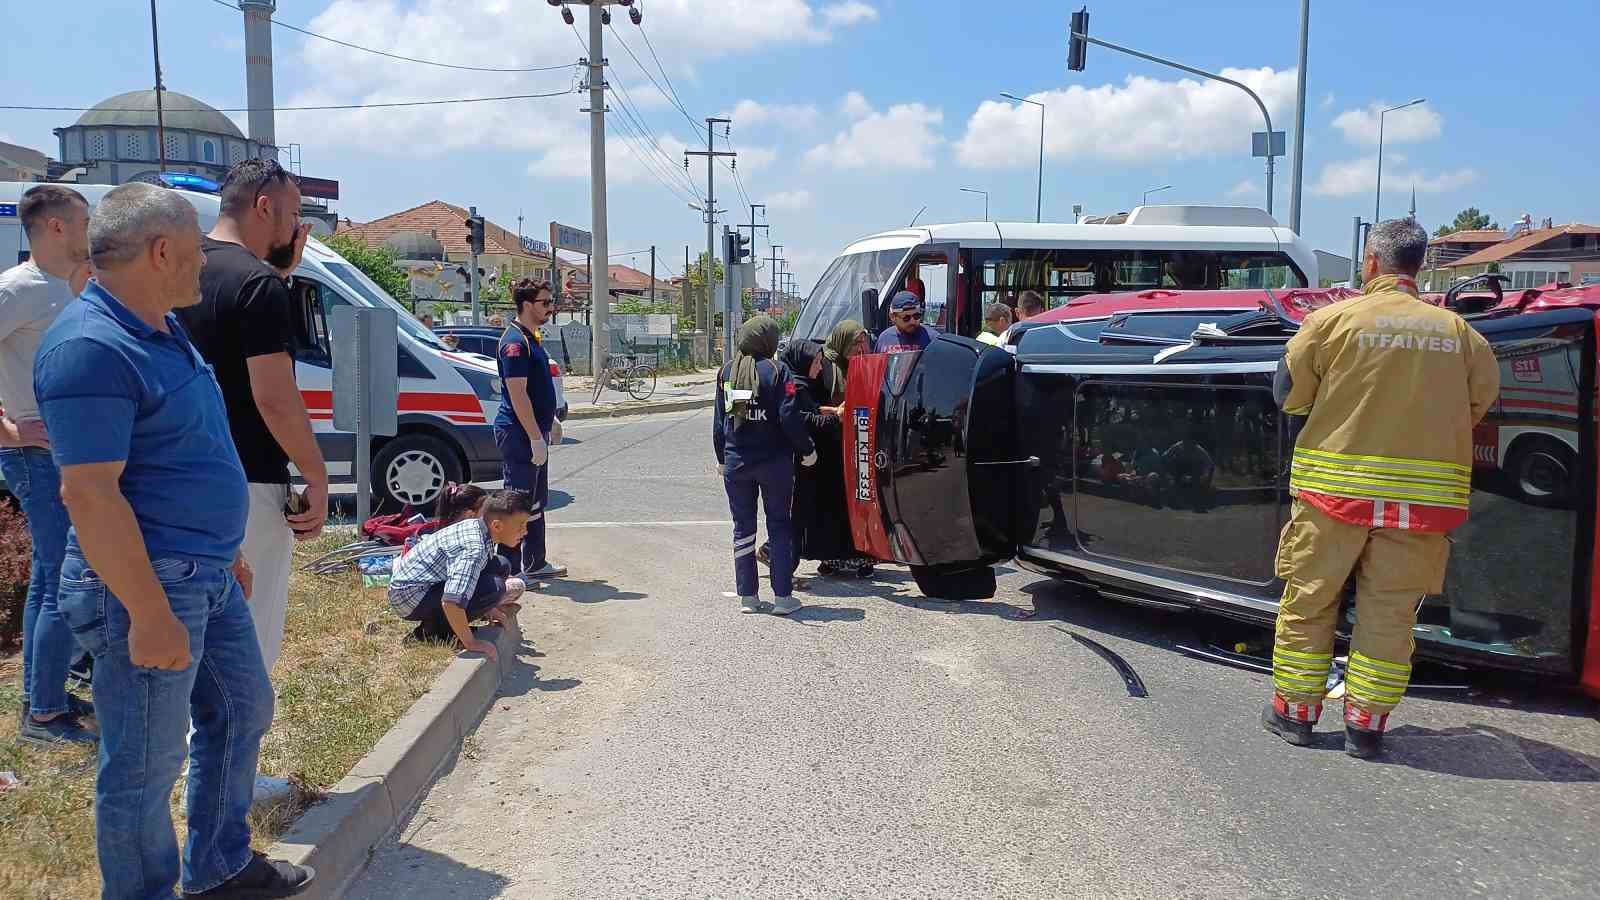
(357, 281)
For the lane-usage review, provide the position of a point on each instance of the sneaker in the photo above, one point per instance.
(1295, 732)
(83, 709)
(785, 605)
(264, 879)
(63, 729)
(548, 570)
(749, 605)
(270, 789)
(827, 567)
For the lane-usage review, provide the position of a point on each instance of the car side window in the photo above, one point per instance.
(315, 303)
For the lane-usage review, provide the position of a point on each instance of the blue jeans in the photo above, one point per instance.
(773, 483)
(516, 466)
(47, 645)
(144, 717)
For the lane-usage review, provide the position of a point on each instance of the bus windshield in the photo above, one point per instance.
(837, 295)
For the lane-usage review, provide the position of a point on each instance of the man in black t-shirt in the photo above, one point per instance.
(243, 327)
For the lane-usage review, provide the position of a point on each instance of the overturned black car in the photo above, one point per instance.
(1130, 444)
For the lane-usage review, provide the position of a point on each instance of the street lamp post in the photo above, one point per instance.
(1377, 201)
(1154, 190)
(985, 200)
(1038, 210)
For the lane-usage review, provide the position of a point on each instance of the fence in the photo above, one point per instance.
(667, 352)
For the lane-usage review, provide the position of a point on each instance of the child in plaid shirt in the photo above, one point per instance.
(454, 576)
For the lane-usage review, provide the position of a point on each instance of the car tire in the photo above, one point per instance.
(413, 469)
(1541, 471)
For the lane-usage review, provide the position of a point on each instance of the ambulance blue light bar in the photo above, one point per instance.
(186, 182)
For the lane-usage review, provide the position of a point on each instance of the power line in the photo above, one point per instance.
(410, 59)
(660, 67)
(245, 109)
(631, 109)
(671, 97)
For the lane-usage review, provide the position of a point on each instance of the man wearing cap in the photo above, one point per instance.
(907, 333)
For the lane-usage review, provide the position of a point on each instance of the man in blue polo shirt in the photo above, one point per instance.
(153, 584)
(526, 425)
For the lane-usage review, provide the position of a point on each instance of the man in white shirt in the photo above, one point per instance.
(32, 294)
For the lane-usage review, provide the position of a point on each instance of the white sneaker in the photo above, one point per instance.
(749, 604)
(785, 605)
(270, 789)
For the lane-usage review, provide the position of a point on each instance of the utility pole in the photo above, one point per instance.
(1300, 120)
(161, 119)
(753, 226)
(474, 229)
(711, 153)
(652, 276)
(775, 249)
(688, 291)
(599, 281)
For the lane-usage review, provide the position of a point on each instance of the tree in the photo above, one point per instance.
(376, 263)
(1469, 219)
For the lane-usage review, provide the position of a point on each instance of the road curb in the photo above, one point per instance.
(639, 409)
(337, 836)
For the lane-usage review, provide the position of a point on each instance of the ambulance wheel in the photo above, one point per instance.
(1541, 470)
(413, 469)
(950, 585)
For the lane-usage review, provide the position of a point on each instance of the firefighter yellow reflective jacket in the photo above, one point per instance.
(1392, 388)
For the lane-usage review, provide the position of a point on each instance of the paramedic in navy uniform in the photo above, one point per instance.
(526, 425)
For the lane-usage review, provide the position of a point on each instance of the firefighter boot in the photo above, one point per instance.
(1290, 721)
(1363, 731)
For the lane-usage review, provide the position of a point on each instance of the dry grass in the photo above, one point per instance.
(344, 678)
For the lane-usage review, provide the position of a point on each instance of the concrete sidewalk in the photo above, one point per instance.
(673, 393)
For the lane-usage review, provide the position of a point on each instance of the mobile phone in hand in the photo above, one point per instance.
(296, 504)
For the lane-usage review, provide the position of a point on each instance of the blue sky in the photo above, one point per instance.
(850, 115)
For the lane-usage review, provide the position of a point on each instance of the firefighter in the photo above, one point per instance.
(1391, 388)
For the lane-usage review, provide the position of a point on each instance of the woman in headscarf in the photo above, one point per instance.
(757, 431)
(821, 522)
(848, 339)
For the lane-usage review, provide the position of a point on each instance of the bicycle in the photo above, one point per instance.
(626, 374)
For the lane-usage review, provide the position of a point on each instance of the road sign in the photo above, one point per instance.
(565, 237)
(1258, 144)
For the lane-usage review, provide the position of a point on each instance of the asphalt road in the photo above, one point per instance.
(656, 743)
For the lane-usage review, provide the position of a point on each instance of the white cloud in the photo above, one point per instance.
(1327, 101)
(487, 33)
(1360, 176)
(754, 159)
(902, 137)
(1409, 125)
(789, 201)
(1140, 120)
(855, 105)
(851, 12)
(1247, 190)
(798, 117)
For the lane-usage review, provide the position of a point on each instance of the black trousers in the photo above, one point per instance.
(486, 595)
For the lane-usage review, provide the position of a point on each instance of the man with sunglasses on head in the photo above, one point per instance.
(526, 425)
(244, 329)
(907, 333)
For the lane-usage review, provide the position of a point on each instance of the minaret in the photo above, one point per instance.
(258, 72)
(1413, 201)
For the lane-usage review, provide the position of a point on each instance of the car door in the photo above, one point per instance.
(931, 455)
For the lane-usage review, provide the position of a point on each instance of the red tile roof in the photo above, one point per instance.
(1507, 249)
(448, 224)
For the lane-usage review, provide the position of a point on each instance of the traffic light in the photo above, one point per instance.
(1077, 47)
(738, 248)
(475, 233)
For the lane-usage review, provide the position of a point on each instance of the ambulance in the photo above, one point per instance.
(447, 400)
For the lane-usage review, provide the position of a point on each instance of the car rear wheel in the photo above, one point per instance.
(1542, 472)
(413, 469)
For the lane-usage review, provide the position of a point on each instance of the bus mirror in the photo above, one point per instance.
(869, 308)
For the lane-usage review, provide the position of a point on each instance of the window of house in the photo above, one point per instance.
(175, 147)
(97, 146)
(133, 145)
(208, 151)
(235, 154)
